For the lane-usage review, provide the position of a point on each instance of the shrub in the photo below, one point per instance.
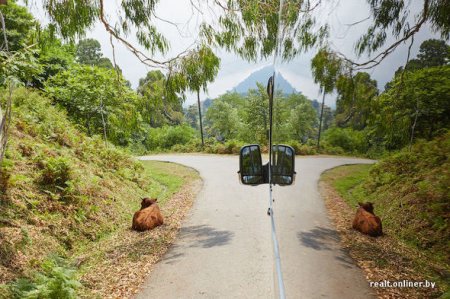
(168, 136)
(56, 171)
(302, 149)
(349, 140)
(57, 280)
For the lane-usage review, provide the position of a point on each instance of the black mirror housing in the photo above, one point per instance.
(283, 169)
(253, 172)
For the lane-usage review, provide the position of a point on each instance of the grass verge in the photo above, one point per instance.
(385, 258)
(125, 257)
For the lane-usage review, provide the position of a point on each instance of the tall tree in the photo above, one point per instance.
(224, 120)
(19, 24)
(156, 110)
(89, 51)
(416, 106)
(256, 116)
(94, 99)
(355, 96)
(325, 67)
(434, 52)
(303, 122)
(197, 69)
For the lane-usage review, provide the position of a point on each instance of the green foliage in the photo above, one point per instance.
(416, 105)
(211, 146)
(71, 19)
(302, 122)
(224, 120)
(302, 149)
(95, 99)
(54, 56)
(434, 52)
(18, 68)
(199, 68)
(245, 117)
(349, 140)
(392, 16)
(89, 52)
(355, 97)
(326, 67)
(155, 109)
(250, 29)
(256, 116)
(411, 188)
(168, 136)
(57, 280)
(19, 24)
(56, 171)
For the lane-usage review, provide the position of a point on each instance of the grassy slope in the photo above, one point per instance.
(62, 192)
(410, 192)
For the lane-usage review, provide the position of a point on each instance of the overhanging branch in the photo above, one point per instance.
(145, 59)
(381, 56)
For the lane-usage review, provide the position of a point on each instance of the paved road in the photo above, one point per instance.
(224, 249)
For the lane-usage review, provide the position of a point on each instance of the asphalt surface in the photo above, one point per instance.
(224, 249)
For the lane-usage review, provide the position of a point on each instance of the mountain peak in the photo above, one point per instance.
(262, 76)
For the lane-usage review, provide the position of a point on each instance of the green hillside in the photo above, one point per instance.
(410, 191)
(61, 192)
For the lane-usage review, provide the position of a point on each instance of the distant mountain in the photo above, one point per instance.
(262, 76)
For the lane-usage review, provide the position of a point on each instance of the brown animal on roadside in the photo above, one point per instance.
(366, 222)
(148, 217)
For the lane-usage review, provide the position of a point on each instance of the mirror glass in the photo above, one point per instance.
(283, 170)
(250, 164)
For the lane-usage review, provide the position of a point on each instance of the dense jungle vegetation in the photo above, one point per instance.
(71, 122)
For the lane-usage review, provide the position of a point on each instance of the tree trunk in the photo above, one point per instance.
(4, 124)
(320, 122)
(103, 121)
(200, 117)
(413, 127)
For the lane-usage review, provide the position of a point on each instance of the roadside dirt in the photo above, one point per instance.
(129, 256)
(382, 258)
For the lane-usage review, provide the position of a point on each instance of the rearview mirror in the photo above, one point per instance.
(250, 165)
(283, 169)
(253, 172)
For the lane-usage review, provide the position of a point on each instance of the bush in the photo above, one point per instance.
(302, 149)
(349, 140)
(57, 280)
(168, 136)
(56, 171)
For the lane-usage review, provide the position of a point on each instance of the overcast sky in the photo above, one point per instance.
(233, 69)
